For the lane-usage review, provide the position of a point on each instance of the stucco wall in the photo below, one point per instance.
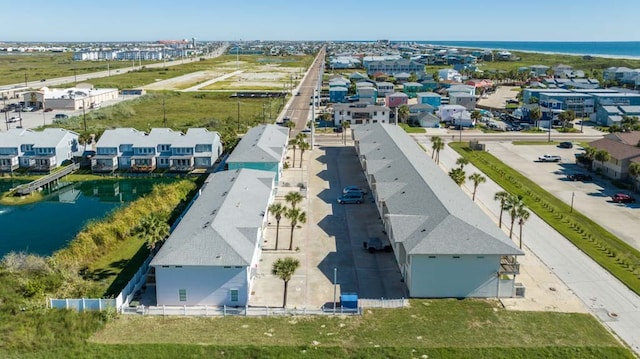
(449, 277)
(204, 285)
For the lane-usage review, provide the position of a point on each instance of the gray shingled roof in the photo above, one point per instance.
(428, 212)
(221, 227)
(265, 143)
(48, 138)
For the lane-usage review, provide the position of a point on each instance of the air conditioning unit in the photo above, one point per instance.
(520, 290)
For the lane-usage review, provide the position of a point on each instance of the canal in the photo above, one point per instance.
(46, 226)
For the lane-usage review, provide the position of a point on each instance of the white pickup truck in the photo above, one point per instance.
(549, 158)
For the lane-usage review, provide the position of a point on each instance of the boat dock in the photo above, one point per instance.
(45, 181)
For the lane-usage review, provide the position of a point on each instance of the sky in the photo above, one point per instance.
(416, 20)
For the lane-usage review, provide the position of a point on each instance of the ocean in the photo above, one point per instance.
(622, 49)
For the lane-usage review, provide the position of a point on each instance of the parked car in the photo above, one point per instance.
(60, 116)
(376, 244)
(337, 129)
(579, 177)
(351, 197)
(353, 189)
(622, 198)
(565, 145)
(549, 158)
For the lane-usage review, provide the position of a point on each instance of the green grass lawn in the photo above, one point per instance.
(437, 328)
(613, 254)
(411, 129)
(183, 110)
(38, 66)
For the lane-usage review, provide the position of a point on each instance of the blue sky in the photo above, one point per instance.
(463, 20)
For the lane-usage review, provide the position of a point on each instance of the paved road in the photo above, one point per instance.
(608, 299)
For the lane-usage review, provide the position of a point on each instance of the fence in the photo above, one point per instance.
(121, 301)
(383, 303)
(83, 304)
(236, 311)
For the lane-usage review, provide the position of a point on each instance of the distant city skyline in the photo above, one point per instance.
(412, 20)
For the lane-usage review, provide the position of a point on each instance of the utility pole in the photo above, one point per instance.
(164, 111)
(25, 79)
(238, 116)
(84, 115)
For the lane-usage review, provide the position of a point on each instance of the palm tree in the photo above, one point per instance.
(634, 171)
(502, 197)
(522, 214)
(291, 125)
(295, 215)
(513, 205)
(462, 161)
(294, 198)
(476, 115)
(293, 143)
(629, 123)
(602, 156)
(434, 140)
(476, 178)
(277, 209)
(458, 176)
(152, 228)
(535, 114)
(590, 153)
(304, 145)
(403, 113)
(345, 125)
(437, 146)
(566, 117)
(284, 268)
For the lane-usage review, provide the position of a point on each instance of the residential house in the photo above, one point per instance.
(360, 113)
(402, 77)
(428, 84)
(357, 76)
(429, 98)
(612, 115)
(462, 119)
(538, 70)
(366, 92)
(40, 151)
(128, 149)
(446, 112)
(263, 147)
(465, 89)
(396, 99)
(411, 88)
(385, 88)
(338, 94)
(450, 74)
(623, 150)
(463, 99)
(393, 67)
(444, 245)
(212, 256)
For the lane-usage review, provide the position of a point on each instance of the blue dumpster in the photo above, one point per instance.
(349, 300)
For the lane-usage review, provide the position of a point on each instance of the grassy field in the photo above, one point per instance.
(409, 129)
(435, 328)
(228, 63)
(613, 254)
(528, 59)
(38, 66)
(183, 110)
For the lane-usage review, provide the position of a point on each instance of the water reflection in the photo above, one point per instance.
(46, 226)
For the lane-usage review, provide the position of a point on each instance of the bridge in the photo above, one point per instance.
(27, 188)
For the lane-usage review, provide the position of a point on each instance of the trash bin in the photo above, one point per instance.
(349, 300)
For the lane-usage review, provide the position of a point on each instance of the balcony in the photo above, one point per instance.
(143, 168)
(181, 168)
(103, 168)
(509, 265)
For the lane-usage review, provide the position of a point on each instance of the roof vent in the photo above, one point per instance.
(423, 230)
(224, 194)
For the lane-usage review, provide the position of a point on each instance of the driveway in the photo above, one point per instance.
(331, 242)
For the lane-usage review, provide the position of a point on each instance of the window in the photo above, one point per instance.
(234, 295)
(182, 293)
(456, 257)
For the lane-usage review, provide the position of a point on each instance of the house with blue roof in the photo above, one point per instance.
(263, 148)
(338, 94)
(444, 244)
(212, 255)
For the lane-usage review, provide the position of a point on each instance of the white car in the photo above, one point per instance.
(549, 158)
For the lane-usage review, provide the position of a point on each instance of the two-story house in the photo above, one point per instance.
(36, 151)
(360, 113)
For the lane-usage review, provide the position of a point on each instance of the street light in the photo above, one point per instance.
(238, 116)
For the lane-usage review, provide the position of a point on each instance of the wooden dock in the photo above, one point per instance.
(27, 188)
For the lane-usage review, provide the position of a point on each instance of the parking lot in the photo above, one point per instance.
(591, 198)
(332, 239)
